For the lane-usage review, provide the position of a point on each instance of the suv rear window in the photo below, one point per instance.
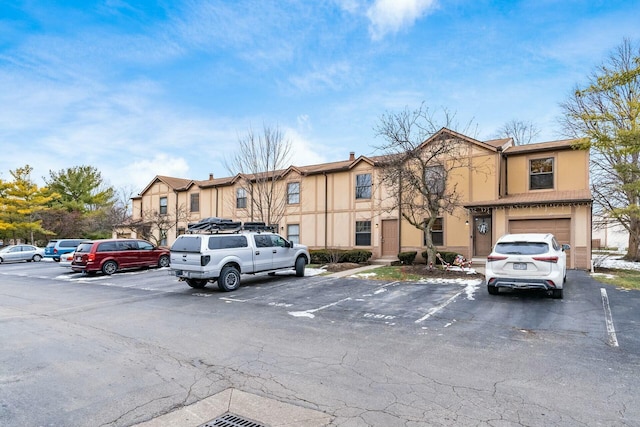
(51, 243)
(522, 248)
(186, 244)
(69, 243)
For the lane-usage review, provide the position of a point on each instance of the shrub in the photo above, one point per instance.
(324, 256)
(407, 258)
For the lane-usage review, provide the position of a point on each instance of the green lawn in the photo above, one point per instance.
(628, 279)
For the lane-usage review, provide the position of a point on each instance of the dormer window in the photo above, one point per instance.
(541, 174)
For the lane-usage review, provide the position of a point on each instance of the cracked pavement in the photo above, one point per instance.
(130, 347)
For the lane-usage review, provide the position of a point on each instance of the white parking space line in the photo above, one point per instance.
(611, 331)
(309, 313)
(437, 308)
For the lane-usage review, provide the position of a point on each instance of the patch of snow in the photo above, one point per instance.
(619, 264)
(364, 275)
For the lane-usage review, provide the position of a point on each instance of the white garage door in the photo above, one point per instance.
(561, 228)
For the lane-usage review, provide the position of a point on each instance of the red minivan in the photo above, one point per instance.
(111, 255)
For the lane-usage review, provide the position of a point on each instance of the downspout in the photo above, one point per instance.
(176, 217)
(326, 208)
(400, 215)
(217, 200)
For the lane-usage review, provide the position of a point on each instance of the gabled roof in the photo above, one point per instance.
(176, 184)
(445, 133)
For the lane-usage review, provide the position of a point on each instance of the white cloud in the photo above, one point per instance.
(303, 151)
(140, 173)
(390, 16)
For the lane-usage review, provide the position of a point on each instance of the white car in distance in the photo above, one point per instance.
(527, 261)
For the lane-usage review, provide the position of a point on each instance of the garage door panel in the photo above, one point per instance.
(561, 228)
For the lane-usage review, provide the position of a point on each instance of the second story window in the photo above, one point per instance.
(163, 205)
(293, 193)
(363, 186)
(241, 198)
(541, 174)
(195, 202)
(434, 177)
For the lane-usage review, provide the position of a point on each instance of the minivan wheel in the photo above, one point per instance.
(556, 294)
(163, 261)
(492, 290)
(300, 263)
(229, 279)
(109, 267)
(196, 283)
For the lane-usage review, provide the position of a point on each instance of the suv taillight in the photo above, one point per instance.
(204, 259)
(496, 258)
(553, 259)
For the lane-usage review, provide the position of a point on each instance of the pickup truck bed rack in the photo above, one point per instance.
(214, 225)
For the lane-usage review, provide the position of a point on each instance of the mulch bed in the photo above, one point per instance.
(419, 269)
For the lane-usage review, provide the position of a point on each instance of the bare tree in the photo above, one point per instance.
(522, 132)
(420, 156)
(606, 114)
(154, 226)
(260, 160)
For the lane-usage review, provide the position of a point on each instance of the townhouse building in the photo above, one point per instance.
(541, 187)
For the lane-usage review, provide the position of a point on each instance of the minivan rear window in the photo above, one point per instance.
(522, 248)
(227, 242)
(186, 244)
(84, 247)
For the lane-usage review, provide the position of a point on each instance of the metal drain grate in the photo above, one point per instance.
(232, 420)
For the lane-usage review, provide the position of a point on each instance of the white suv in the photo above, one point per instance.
(527, 261)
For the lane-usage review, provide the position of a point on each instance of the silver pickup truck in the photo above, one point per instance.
(201, 258)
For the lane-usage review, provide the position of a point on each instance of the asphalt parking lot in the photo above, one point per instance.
(129, 348)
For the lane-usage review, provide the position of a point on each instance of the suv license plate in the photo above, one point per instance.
(519, 265)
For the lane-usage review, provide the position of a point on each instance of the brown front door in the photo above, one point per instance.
(482, 235)
(389, 237)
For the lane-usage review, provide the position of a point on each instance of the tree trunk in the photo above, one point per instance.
(634, 240)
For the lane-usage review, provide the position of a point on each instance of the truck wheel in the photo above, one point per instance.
(300, 263)
(196, 283)
(229, 279)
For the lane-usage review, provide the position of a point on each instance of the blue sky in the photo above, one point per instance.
(144, 88)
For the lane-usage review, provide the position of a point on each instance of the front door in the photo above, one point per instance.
(482, 235)
(389, 237)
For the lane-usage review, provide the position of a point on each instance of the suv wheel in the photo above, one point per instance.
(109, 267)
(492, 290)
(556, 293)
(229, 279)
(196, 283)
(300, 263)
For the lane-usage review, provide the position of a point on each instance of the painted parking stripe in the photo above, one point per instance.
(437, 308)
(608, 318)
(309, 313)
